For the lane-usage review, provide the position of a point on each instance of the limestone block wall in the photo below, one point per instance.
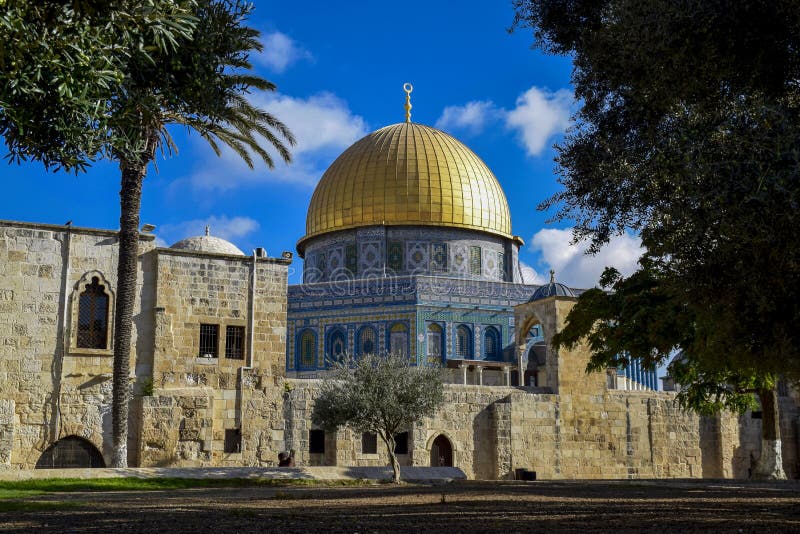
(57, 389)
(196, 399)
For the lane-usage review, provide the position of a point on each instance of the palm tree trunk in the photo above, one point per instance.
(127, 271)
(770, 462)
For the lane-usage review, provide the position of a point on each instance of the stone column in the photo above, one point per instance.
(520, 367)
(506, 376)
(479, 372)
(463, 368)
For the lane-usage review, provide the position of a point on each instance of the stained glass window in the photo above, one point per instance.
(475, 260)
(351, 259)
(307, 349)
(395, 256)
(439, 257)
(501, 266)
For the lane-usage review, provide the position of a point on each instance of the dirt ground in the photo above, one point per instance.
(635, 506)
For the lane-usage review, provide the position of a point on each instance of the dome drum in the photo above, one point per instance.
(410, 250)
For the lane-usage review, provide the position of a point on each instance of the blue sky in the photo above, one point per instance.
(340, 68)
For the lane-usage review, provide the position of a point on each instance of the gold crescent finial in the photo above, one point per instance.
(407, 87)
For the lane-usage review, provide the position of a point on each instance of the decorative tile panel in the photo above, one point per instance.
(439, 257)
(475, 260)
(417, 256)
(394, 256)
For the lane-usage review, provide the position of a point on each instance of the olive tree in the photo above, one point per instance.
(383, 394)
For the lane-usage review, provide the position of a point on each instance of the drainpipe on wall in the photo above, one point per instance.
(251, 322)
(64, 335)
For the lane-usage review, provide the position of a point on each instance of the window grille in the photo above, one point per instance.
(233, 440)
(434, 343)
(367, 341)
(316, 441)
(209, 337)
(93, 317)
(234, 342)
(369, 443)
(491, 344)
(70, 452)
(398, 339)
(462, 342)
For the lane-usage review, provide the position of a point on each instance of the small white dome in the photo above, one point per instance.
(208, 243)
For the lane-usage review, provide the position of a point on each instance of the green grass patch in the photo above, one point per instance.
(7, 488)
(18, 493)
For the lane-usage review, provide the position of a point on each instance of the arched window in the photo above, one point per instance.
(463, 342)
(70, 452)
(491, 344)
(308, 349)
(93, 316)
(434, 343)
(398, 339)
(367, 341)
(337, 345)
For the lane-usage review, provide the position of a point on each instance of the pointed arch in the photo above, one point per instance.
(336, 345)
(92, 308)
(367, 341)
(492, 350)
(434, 343)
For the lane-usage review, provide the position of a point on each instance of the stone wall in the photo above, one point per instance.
(197, 399)
(54, 388)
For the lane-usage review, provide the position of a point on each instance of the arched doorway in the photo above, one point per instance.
(441, 452)
(70, 452)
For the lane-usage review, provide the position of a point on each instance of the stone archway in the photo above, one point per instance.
(441, 452)
(70, 452)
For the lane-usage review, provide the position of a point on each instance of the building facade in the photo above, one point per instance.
(409, 249)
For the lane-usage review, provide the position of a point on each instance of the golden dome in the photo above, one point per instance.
(408, 174)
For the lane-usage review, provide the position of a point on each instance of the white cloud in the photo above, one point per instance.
(529, 274)
(577, 269)
(539, 115)
(228, 228)
(473, 116)
(279, 52)
(323, 126)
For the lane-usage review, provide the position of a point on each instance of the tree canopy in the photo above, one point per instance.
(688, 133)
(383, 394)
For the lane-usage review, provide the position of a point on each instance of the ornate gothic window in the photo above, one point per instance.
(337, 345)
(93, 316)
(398, 339)
(434, 343)
(463, 342)
(367, 341)
(491, 344)
(308, 349)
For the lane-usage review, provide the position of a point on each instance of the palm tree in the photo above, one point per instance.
(201, 83)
